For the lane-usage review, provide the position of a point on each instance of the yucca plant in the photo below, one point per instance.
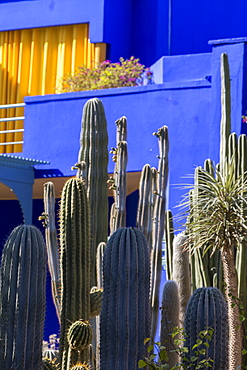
(217, 220)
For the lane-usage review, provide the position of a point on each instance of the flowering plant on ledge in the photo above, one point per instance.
(129, 72)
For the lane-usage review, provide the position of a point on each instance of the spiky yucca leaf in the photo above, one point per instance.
(216, 216)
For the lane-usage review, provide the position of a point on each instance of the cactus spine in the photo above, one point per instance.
(207, 309)
(22, 297)
(75, 264)
(170, 320)
(124, 319)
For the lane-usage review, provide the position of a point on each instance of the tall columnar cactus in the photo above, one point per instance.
(94, 156)
(159, 224)
(75, 265)
(170, 320)
(52, 243)
(125, 315)
(169, 237)
(207, 309)
(22, 297)
(147, 188)
(152, 207)
(181, 273)
(120, 157)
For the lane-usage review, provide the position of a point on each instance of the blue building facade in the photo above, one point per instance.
(173, 39)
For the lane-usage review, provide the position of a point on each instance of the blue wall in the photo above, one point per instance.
(189, 107)
(146, 29)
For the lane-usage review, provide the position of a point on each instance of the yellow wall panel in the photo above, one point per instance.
(33, 61)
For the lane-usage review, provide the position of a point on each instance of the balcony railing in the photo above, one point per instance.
(9, 119)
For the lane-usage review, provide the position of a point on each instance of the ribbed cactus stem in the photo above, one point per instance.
(207, 309)
(159, 224)
(170, 320)
(120, 186)
(169, 237)
(94, 152)
(75, 264)
(52, 243)
(80, 335)
(125, 319)
(147, 188)
(120, 157)
(181, 273)
(96, 296)
(22, 297)
(225, 125)
(99, 274)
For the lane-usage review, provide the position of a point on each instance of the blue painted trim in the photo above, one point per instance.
(228, 41)
(119, 91)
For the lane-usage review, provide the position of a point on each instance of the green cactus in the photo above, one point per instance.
(52, 244)
(94, 156)
(159, 224)
(181, 273)
(22, 297)
(125, 314)
(207, 309)
(170, 320)
(75, 264)
(80, 335)
(120, 157)
(147, 188)
(95, 301)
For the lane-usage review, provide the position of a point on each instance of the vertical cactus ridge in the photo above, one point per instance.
(22, 296)
(75, 259)
(159, 223)
(170, 320)
(96, 296)
(207, 309)
(147, 188)
(225, 124)
(120, 157)
(80, 335)
(121, 134)
(181, 273)
(94, 152)
(169, 237)
(124, 319)
(52, 243)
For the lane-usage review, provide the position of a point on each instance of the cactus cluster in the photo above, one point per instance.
(119, 280)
